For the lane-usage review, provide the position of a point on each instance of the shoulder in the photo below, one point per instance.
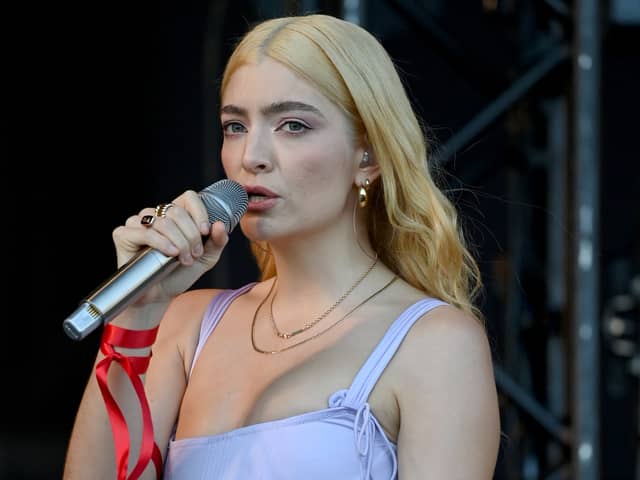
(447, 396)
(449, 341)
(441, 327)
(180, 326)
(445, 340)
(181, 321)
(192, 298)
(186, 312)
(445, 327)
(189, 307)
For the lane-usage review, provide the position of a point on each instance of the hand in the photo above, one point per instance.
(177, 234)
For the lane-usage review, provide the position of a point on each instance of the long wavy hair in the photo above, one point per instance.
(411, 223)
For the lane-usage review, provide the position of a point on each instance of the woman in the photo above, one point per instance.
(359, 354)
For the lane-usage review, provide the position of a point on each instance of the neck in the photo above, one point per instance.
(321, 264)
(320, 277)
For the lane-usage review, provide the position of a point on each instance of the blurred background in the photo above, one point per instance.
(531, 107)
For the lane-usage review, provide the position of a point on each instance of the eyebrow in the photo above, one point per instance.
(274, 108)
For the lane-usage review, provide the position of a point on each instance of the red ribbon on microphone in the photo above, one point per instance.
(133, 366)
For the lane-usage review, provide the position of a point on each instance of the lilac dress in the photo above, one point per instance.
(343, 441)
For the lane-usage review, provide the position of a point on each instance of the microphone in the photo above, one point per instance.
(225, 201)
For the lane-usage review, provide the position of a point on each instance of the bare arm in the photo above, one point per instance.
(450, 424)
(90, 453)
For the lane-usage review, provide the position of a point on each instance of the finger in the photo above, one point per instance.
(144, 211)
(215, 243)
(181, 231)
(192, 202)
(183, 220)
(162, 235)
(219, 234)
(133, 236)
(135, 221)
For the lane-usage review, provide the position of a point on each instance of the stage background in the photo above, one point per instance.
(120, 103)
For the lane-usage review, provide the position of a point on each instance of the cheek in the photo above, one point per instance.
(229, 159)
(322, 175)
(330, 158)
(317, 169)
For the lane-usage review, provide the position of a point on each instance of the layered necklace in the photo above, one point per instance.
(307, 326)
(314, 322)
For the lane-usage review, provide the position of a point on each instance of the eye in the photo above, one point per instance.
(233, 128)
(294, 126)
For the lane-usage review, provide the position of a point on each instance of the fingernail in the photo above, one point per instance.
(205, 227)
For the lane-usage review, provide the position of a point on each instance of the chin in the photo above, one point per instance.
(253, 230)
(259, 228)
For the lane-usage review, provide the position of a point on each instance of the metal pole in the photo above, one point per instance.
(558, 342)
(586, 308)
(308, 6)
(529, 405)
(353, 11)
(500, 105)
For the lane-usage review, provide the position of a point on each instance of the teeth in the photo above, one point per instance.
(256, 198)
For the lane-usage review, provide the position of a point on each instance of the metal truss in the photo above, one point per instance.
(576, 437)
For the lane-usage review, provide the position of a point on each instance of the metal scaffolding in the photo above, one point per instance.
(585, 303)
(569, 418)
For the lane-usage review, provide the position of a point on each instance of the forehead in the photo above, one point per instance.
(268, 82)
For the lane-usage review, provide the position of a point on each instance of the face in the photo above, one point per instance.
(291, 148)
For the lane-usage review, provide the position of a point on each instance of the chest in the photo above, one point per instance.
(231, 385)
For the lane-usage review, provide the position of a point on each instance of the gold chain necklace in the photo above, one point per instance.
(307, 326)
(289, 347)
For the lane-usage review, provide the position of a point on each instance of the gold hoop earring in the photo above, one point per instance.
(355, 233)
(363, 196)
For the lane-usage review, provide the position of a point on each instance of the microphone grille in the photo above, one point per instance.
(225, 201)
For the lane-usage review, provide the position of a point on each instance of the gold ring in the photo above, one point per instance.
(147, 220)
(161, 210)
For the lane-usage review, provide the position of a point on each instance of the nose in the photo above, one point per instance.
(256, 156)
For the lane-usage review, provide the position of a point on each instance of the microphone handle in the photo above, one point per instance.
(119, 291)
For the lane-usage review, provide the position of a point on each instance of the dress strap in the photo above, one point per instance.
(213, 314)
(370, 372)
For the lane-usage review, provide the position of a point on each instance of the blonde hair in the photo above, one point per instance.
(412, 225)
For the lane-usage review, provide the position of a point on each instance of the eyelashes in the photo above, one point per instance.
(293, 127)
(233, 128)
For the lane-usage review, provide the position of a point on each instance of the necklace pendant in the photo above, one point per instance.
(307, 326)
(287, 336)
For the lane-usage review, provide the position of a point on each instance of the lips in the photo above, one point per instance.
(258, 191)
(260, 198)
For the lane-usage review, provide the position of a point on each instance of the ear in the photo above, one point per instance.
(368, 167)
